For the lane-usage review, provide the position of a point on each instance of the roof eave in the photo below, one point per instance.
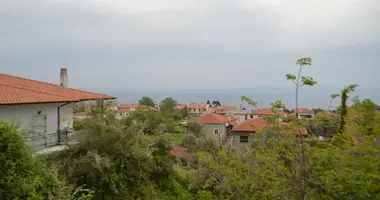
(45, 102)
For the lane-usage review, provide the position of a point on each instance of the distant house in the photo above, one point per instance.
(181, 153)
(241, 133)
(122, 113)
(217, 126)
(197, 109)
(240, 115)
(80, 116)
(134, 107)
(304, 113)
(43, 111)
(180, 106)
(266, 112)
(226, 108)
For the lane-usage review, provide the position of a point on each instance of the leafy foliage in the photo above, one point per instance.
(133, 158)
(216, 103)
(146, 101)
(25, 176)
(167, 105)
(249, 101)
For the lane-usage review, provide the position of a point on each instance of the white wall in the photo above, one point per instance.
(209, 131)
(23, 115)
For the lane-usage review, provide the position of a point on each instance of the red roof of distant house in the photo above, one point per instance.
(17, 90)
(304, 110)
(258, 124)
(135, 106)
(123, 110)
(196, 105)
(251, 125)
(227, 108)
(180, 152)
(81, 114)
(216, 119)
(267, 111)
(180, 106)
(298, 130)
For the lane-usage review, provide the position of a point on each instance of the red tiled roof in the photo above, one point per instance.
(180, 106)
(135, 106)
(266, 111)
(251, 125)
(215, 119)
(17, 90)
(304, 110)
(227, 108)
(180, 152)
(196, 105)
(258, 124)
(123, 110)
(297, 130)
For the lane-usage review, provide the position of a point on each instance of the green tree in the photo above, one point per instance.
(216, 103)
(209, 103)
(146, 101)
(23, 174)
(299, 80)
(332, 97)
(80, 107)
(118, 162)
(167, 105)
(180, 114)
(365, 117)
(150, 121)
(343, 105)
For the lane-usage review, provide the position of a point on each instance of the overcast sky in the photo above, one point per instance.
(125, 44)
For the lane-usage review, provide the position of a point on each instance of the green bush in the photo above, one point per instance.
(22, 174)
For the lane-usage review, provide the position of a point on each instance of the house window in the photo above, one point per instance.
(243, 139)
(251, 116)
(216, 131)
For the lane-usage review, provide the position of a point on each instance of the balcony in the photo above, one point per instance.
(42, 141)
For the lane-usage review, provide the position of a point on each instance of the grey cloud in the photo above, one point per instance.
(220, 44)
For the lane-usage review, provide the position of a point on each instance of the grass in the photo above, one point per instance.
(175, 138)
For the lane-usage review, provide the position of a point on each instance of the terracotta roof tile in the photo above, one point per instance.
(227, 108)
(17, 90)
(123, 110)
(180, 106)
(196, 105)
(134, 106)
(180, 152)
(215, 119)
(258, 124)
(304, 110)
(251, 125)
(266, 111)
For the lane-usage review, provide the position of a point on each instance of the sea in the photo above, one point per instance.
(309, 97)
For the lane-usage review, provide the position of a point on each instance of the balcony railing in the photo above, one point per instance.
(51, 139)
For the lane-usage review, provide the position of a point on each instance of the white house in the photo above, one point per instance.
(43, 111)
(122, 113)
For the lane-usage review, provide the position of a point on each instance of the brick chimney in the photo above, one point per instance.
(63, 78)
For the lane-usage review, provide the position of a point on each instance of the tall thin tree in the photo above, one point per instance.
(299, 80)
